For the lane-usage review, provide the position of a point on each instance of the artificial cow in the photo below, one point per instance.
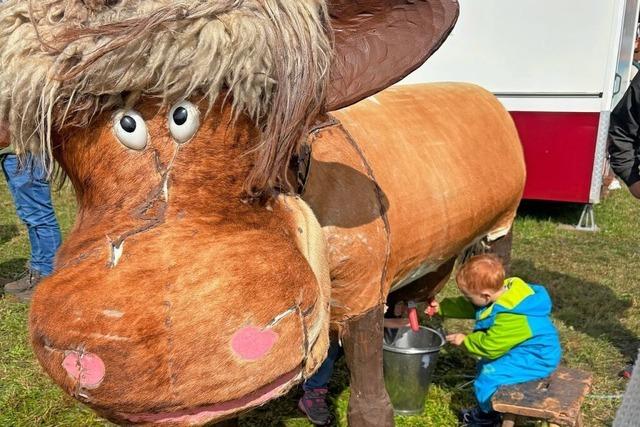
(238, 196)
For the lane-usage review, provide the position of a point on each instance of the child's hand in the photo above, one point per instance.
(401, 322)
(433, 307)
(456, 339)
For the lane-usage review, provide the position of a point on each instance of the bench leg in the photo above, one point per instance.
(578, 422)
(508, 420)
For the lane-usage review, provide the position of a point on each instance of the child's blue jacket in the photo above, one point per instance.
(514, 336)
(520, 317)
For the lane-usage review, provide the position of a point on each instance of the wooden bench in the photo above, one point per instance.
(557, 399)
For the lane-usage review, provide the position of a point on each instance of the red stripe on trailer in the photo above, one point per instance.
(559, 150)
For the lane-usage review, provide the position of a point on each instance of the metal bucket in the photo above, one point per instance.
(409, 359)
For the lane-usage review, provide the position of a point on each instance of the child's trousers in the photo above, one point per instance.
(519, 365)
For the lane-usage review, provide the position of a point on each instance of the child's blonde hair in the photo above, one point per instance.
(481, 272)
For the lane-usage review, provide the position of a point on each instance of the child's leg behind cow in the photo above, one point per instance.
(314, 401)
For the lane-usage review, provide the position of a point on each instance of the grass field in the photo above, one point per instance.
(592, 279)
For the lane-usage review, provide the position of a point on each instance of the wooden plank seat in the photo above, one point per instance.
(556, 399)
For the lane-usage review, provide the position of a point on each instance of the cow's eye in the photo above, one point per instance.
(184, 121)
(130, 129)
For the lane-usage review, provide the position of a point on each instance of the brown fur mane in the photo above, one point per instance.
(270, 57)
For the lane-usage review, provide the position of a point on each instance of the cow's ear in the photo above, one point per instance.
(379, 42)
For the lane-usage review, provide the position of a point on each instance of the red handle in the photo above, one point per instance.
(413, 319)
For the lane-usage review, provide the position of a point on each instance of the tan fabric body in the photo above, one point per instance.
(450, 169)
(311, 243)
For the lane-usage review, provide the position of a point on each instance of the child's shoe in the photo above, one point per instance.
(626, 372)
(314, 405)
(476, 417)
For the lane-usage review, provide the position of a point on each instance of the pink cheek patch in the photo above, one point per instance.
(86, 368)
(251, 343)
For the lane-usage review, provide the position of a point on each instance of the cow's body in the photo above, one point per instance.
(405, 181)
(399, 188)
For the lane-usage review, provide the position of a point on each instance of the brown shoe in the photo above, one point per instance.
(24, 284)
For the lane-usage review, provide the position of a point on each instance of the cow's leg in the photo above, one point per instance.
(502, 248)
(369, 404)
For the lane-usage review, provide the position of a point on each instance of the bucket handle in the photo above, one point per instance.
(442, 334)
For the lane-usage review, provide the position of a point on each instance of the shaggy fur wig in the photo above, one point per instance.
(65, 61)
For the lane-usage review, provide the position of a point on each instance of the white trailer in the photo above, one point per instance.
(559, 67)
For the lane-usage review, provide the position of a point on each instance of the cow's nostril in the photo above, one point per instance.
(86, 368)
(251, 343)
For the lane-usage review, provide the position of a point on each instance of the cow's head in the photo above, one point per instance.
(177, 297)
(174, 299)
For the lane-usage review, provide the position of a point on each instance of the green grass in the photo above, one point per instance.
(27, 396)
(592, 279)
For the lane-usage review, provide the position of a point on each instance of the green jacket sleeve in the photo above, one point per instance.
(458, 308)
(9, 149)
(507, 331)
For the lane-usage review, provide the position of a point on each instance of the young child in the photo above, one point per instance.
(513, 334)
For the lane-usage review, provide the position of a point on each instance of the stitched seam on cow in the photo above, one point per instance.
(157, 195)
(168, 323)
(303, 160)
(305, 337)
(77, 385)
(329, 121)
(73, 262)
(310, 309)
(278, 318)
(383, 213)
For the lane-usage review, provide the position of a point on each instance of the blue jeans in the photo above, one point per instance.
(322, 376)
(32, 197)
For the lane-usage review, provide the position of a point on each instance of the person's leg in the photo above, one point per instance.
(517, 366)
(322, 376)
(485, 385)
(32, 197)
(41, 219)
(314, 401)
